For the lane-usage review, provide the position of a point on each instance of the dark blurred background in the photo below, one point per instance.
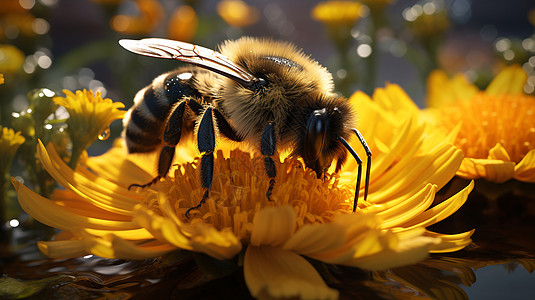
(72, 44)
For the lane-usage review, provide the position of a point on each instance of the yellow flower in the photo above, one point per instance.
(11, 59)
(338, 13)
(237, 13)
(309, 216)
(89, 117)
(182, 24)
(151, 14)
(10, 141)
(1, 78)
(427, 24)
(497, 131)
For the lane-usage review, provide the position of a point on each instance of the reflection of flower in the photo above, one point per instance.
(89, 117)
(237, 13)
(338, 13)
(497, 133)
(308, 217)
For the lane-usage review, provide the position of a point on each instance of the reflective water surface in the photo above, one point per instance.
(498, 265)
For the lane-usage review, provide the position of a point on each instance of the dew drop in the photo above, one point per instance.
(104, 135)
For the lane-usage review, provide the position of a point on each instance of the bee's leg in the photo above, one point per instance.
(206, 145)
(164, 164)
(267, 148)
(224, 127)
(171, 137)
(368, 162)
(359, 174)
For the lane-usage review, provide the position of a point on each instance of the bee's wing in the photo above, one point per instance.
(193, 54)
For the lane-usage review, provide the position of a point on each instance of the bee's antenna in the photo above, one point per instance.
(368, 163)
(359, 162)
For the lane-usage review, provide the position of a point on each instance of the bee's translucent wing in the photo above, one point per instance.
(193, 54)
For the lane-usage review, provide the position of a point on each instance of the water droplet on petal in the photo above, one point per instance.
(104, 135)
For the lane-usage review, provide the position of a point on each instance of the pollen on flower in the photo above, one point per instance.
(239, 191)
(491, 119)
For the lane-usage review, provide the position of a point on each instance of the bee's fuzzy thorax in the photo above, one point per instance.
(292, 79)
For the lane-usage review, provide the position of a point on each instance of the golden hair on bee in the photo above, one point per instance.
(266, 93)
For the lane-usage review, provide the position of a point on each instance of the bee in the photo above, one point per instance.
(265, 93)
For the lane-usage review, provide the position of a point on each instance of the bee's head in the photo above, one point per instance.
(323, 123)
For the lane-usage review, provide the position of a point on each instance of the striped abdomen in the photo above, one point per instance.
(145, 121)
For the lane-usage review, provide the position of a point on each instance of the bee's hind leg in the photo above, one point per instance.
(164, 164)
(171, 137)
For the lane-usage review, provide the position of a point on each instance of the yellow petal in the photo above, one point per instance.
(63, 249)
(112, 246)
(115, 165)
(510, 81)
(273, 226)
(395, 215)
(525, 169)
(276, 273)
(441, 211)
(51, 214)
(314, 238)
(450, 242)
(163, 229)
(405, 252)
(219, 244)
(498, 152)
(441, 90)
(87, 185)
(393, 98)
(490, 169)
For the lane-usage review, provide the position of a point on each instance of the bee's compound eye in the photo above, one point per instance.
(258, 84)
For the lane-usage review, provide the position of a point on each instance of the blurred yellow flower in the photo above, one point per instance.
(427, 24)
(182, 24)
(1, 78)
(11, 59)
(151, 15)
(89, 117)
(531, 17)
(338, 13)
(497, 128)
(237, 13)
(308, 217)
(10, 142)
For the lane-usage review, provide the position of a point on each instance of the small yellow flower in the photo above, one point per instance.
(497, 128)
(309, 216)
(1, 78)
(237, 13)
(338, 13)
(182, 24)
(89, 117)
(10, 142)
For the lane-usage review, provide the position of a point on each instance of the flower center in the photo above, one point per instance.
(491, 119)
(239, 189)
